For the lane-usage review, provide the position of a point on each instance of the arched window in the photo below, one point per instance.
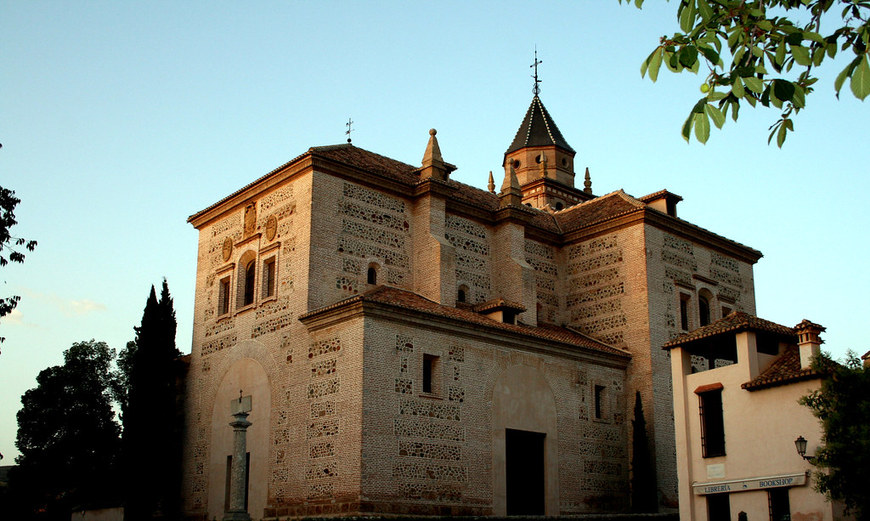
(246, 275)
(250, 272)
(462, 294)
(372, 274)
(703, 310)
(559, 206)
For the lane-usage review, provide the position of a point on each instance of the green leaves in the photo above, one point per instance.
(801, 55)
(688, 56)
(761, 54)
(652, 64)
(780, 129)
(861, 78)
(687, 15)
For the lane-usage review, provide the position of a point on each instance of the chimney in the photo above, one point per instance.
(809, 342)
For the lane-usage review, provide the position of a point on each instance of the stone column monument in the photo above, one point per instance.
(239, 409)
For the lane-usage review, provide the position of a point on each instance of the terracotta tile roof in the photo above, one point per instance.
(474, 196)
(538, 129)
(806, 324)
(546, 221)
(369, 161)
(785, 369)
(498, 303)
(736, 321)
(597, 210)
(658, 195)
(402, 299)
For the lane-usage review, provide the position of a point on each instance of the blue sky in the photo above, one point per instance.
(121, 119)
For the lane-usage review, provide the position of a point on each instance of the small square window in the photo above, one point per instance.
(269, 273)
(431, 381)
(599, 402)
(224, 296)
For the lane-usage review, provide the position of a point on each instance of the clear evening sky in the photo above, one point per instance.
(120, 119)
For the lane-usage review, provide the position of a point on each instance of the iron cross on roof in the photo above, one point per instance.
(537, 88)
(349, 128)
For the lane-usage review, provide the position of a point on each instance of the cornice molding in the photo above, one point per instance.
(358, 308)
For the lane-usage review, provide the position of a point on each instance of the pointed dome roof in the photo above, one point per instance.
(538, 129)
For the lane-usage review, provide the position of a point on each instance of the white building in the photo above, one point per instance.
(737, 382)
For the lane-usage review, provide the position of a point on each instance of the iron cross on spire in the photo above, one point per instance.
(537, 88)
(349, 128)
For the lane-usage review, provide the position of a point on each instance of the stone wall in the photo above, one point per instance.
(427, 453)
(678, 266)
(228, 347)
(354, 228)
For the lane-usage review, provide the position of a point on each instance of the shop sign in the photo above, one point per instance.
(742, 485)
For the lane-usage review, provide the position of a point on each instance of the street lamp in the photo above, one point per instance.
(801, 445)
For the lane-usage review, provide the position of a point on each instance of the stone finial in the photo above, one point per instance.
(433, 164)
(433, 151)
(491, 184)
(510, 194)
(587, 182)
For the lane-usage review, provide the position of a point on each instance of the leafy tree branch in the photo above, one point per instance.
(764, 53)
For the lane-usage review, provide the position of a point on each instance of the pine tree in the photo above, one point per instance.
(149, 413)
(643, 479)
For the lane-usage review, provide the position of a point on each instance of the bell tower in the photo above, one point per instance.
(542, 159)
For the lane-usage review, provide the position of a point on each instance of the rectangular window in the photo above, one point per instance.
(430, 374)
(777, 500)
(718, 507)
(684, 312)
(712, 424)
(224, 296)
(269, 277)
(599, 402)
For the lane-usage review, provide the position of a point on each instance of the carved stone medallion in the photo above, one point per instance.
(227, 249)
(271, 227)
(250, 218)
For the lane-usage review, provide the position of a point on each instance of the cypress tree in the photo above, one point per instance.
(644, 496)
(151, 438)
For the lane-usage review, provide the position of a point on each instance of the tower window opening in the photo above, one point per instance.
(684, 312)
(372, 274)
(269, 277)
(703, 310)
(250, 272)
(224, 296)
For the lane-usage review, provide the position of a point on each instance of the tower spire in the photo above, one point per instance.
(537, 88)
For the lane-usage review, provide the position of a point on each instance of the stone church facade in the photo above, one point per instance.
(415, 345)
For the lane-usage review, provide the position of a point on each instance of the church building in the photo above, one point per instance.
(414, 345)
